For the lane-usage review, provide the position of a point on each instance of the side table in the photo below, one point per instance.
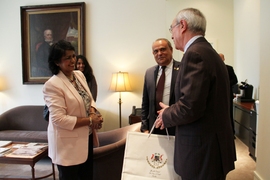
(134, 119)
(8, 158)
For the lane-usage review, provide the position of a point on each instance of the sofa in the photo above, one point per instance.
(109, 156)
(24, 123)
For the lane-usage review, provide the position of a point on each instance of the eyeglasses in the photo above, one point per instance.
(171, 28)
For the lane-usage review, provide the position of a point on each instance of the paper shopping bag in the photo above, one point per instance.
(149, 157)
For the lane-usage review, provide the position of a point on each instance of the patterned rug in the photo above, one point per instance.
(42, 168)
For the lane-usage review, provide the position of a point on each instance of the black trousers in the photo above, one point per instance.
(231, 116)
(82, 171)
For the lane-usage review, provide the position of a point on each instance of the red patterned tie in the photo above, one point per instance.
(160, 88)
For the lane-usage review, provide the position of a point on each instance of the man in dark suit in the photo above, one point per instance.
(233, 81)
(42, 54)
(203, 147)
(162, 51)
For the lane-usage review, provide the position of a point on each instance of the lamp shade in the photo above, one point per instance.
(120, 82)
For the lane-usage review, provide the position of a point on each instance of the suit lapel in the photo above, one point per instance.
(156, 74)
(153, 88)
(175, 70)
(72, 90)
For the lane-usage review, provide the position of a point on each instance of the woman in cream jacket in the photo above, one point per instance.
(73, 117)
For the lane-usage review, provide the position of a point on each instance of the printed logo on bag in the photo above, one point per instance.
(156, 160)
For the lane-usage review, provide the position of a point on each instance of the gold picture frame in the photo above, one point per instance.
(59, 21)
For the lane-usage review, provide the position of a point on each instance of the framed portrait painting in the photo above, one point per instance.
(43, 25)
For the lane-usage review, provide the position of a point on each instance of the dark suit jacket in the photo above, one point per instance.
(149, 113)
(203, 147)
(42, 55)
(233, 79)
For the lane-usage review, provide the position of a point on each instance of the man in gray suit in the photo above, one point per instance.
(204, 144)
(162, 51)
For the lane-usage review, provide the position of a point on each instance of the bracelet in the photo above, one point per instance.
(90, 119)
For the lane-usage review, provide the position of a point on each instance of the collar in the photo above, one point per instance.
(191, 41)
(168, 66)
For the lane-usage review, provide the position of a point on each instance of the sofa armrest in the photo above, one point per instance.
(108, 149)
(111, 141)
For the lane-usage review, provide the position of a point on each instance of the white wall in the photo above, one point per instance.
(220, 26)
(119, 35)
(252, 42)
(263, 146)
(247, 42)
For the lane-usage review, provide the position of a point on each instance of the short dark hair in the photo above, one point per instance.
(164, 39)
(57, 51)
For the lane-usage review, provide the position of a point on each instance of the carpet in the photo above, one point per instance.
(244, 167)
(42, 168)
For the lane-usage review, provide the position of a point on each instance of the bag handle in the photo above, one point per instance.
(153, 129)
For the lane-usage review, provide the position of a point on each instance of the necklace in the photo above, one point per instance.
(71, 79)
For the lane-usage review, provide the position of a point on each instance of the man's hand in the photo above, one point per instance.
(159, 120)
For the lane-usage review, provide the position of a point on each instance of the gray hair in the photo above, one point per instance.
(195, 20)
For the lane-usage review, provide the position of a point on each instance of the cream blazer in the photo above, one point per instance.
(67, 145)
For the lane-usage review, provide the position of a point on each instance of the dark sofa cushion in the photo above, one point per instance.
(24, 136)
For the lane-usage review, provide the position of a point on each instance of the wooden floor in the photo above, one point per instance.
(245, 166)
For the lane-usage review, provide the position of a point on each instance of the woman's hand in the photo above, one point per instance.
(97, 120)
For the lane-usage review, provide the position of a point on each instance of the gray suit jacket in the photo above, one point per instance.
(204, 144)
(149, 113)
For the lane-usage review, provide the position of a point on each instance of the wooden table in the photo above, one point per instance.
(134, 119)
(9, 158)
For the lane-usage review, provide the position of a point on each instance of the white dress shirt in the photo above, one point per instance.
(167, 85)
